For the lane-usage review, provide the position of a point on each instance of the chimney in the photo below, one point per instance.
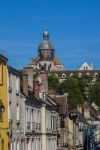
(40, 85)
(24, 84)
(36, 87)
(44, 82)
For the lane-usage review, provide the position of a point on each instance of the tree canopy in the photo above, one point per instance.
(72, 86)
(95, 92)
(79, 89)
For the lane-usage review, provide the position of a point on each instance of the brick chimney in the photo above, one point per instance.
(44, 82)
(40, 84)
(36, 87)
(24, 84)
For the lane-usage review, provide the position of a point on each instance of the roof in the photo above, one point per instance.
(57, 61)
(61, 101)
(3, 57)
(35, 61)
(82, 118)
(51, 103)
(45, 44)
(94, 112)
(14, 71)
(75, 72)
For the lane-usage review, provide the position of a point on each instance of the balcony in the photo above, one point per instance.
(33, 127)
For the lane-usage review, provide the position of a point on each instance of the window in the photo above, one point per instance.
(15, 145)
(1, 110)
(0, 114)
(2, 144)
(17, 112)
(17, 83)
(17, 86)
(9, 112)
(1, 73)
(63, 75)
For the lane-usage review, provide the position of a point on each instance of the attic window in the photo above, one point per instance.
(63, 75)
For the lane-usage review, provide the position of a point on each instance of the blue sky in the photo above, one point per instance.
(73, 25)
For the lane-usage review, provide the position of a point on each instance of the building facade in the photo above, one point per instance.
(39, 115)
(14, 109)
(3, 104)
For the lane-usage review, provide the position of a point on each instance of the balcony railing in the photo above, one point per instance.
(38, 126)
(33, 127)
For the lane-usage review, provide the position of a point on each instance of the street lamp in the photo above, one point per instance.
(73, 115)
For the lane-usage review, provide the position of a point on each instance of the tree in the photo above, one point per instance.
(53, 82)
(72, 86)
(95, 93)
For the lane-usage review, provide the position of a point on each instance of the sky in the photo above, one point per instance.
(73, 26)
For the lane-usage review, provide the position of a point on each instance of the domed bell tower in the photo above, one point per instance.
(46, 49)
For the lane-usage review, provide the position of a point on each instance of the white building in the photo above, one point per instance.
(86, 66)
(39, 120)
(14, 109)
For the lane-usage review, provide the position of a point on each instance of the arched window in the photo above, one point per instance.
(2, 144)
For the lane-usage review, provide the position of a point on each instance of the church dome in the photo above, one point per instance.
(45, 44)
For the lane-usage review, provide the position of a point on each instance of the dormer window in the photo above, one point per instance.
(63, 75)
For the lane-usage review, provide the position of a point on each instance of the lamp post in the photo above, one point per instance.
(73, 115)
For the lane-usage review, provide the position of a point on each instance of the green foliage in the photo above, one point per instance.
(72, 86)
(95, 93)
(35, 75)
(53, 82)
(79, 89)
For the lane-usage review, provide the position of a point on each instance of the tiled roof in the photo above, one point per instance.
(57, 61)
